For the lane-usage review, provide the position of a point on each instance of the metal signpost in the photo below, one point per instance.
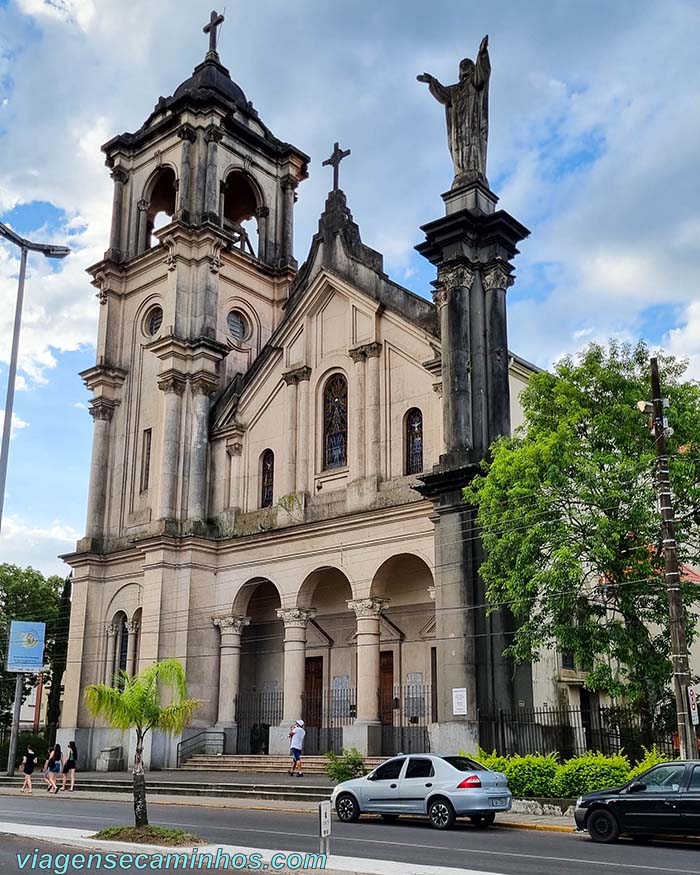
(25, 655)
(324, 826)
(693, 701)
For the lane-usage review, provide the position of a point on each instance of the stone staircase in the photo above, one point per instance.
(262, 764)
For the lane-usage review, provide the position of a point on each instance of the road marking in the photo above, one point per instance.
(443, 848)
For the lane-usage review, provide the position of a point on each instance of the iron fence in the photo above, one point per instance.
(325, 712)
(571, 731)
(405, 715)
(256, 712)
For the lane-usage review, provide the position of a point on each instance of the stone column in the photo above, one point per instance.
(496, 279)
(212, 136)
(374, 444)
(132, 627)
(234, 448)
(172, 386)
(295, 622)
(366, 733)
(303, 448)
(356, 415)
(111, 630)
(289, 186)
(142, 242)
(452, 298)
(202, 387)
(262, 215)
(290, 466)
(231, 629)
(120, 177)
(101, 411)
(188, 135)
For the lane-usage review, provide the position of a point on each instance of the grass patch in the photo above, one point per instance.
(150, 835)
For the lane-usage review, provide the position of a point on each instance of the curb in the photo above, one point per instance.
(541, 827)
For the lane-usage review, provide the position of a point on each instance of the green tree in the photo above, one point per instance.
(135, 703)
(569, 519)
(25, 594)
(59, 656)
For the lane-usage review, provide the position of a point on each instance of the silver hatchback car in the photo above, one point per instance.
(441, 787)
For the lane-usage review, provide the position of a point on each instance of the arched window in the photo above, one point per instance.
(161, 204)
(414, 441)
(335, 422)
(267, 478)
(240, 207)
(123, 644)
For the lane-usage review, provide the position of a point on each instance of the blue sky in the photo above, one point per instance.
(594, 137)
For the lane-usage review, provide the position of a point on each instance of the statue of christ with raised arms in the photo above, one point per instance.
(467, 110)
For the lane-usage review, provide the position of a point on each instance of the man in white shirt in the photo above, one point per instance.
(296, 745)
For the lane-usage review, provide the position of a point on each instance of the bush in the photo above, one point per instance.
(651, 758)
(349, 764)
(38, 742)
(531, 775)
(590, 772)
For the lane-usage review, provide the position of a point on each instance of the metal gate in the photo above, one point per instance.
(256, 712)
(325, 713)
(405, 718)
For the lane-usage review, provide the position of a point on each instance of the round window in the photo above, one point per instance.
(154, 320)
(238, 325)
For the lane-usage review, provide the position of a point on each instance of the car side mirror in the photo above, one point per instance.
(371, 776)
(636, 787)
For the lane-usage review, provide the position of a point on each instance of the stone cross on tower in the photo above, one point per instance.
(334, 162)
(215, 22)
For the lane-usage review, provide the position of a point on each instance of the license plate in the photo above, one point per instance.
(499, 802)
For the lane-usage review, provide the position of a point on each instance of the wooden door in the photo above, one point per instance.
(313, 690)
(386, 687)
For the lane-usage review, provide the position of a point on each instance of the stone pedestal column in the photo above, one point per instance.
(262, 214)
(303, 448)
(356, 415)
(496, 279)
(231, 629)
(120, 177)
(289, 186)
(142, 242)
(101, 411)
(172, 386)
(365, 734)
(111, 630)
(234, 448)
(132, 627)
(290, 466)
(188, 135)
(295, 622)
(374, 445)
(202, 387)
(212, 136)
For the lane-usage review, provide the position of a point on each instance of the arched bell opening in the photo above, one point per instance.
(241, 212)
(161, 203)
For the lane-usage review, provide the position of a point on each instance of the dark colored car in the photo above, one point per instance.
(664, 801)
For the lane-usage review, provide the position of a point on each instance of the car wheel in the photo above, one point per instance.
(346, 808)
(441, 814)
(603, 826)
(482, 820)
(390, 818)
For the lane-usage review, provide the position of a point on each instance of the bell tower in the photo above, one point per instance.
(199, 265)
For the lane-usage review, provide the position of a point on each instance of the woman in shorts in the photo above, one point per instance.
(69, 764)
(28, 764)
(53, 768)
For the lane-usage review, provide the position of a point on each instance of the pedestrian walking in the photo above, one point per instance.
(28, 765)
(296, 745)
(69, 765)
(52, 768)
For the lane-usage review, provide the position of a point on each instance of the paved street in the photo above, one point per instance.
(10, 846)
(506, 851)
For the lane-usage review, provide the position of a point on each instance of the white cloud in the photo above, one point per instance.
(28, 544)
(80, 406)
(17, 423)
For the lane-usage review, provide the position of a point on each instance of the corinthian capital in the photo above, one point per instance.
(234, 624)
(102, 408)
(111, 629)
(132, 626)
(119, 175)
(497, 276)
(453, 276)
(371, 607)
(172, 383)
(296, 617)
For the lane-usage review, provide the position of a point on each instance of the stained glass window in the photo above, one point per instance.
(267, 475)
(414, 441)
(335, 422)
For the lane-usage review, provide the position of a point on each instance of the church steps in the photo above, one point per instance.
(261, 764)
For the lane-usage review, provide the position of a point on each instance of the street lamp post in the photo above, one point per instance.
(49, 251)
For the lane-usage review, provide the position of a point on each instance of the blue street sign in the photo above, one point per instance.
(25, 647)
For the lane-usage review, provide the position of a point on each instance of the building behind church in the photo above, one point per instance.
(279, 451)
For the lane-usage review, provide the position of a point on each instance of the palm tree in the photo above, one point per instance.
(135, 704)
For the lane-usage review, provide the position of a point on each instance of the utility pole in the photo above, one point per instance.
(679, 643)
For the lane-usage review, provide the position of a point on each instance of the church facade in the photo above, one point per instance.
(279, 451)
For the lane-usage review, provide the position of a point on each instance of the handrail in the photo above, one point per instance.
(186, 748)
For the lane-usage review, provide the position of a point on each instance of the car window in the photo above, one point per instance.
(695, 780)
(664, 779)
(419, 768)
(389, 770)
(464, 764)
